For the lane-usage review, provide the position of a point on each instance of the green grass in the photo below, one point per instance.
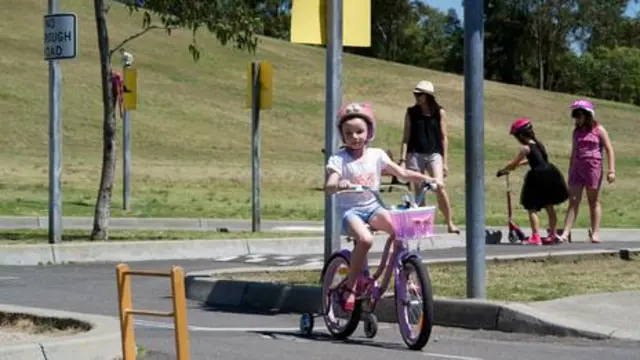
(512, 280)
(191, 132)
(28, 236)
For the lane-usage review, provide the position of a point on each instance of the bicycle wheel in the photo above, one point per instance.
(340, 323)
(415, 315)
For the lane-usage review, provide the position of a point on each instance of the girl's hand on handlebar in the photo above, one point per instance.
(344, 185)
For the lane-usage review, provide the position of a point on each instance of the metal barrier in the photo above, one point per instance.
(179, 312)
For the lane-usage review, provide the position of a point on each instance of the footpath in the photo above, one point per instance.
(202, 248)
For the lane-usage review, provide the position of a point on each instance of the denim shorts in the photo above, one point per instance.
(365, 213)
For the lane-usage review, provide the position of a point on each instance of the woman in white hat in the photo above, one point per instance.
(425, 143)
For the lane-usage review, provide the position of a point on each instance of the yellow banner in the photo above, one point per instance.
(308, 19)
(130, 91)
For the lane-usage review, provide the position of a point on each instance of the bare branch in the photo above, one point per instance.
(137, 35)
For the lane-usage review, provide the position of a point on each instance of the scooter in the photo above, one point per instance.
(516, 236)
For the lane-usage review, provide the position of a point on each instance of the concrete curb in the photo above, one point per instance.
(272, 298)
(102, 342)
(183, 249)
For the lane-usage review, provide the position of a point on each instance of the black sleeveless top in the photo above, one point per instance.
(537, 159)
(425, 137)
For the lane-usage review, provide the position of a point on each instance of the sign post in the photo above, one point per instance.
(260, 96)
(60, 42)
(130, 100)
(474, 146)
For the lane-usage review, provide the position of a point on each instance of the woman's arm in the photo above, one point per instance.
(443, 135)
(405, 139)
(409, 175)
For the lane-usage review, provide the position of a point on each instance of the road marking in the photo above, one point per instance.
(161, 325)
(453, 357)
(298, 228)
(283, 258)
(9, 278)
(228, 258)
(255, 260)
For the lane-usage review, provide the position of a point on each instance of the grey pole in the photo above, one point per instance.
(474, 146)
(55, 146)
(255, 146)
(333, 98)
(126, 159)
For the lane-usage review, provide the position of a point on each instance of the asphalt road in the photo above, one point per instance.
(91, 288)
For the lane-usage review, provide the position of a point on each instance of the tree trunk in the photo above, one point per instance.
(103, 203)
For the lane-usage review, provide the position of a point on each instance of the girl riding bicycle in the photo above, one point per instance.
(359, 164)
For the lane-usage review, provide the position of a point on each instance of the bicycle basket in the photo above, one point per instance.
(413, 223)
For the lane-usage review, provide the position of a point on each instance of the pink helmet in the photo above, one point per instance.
(360, 110)
(585, 105)
(519, 125)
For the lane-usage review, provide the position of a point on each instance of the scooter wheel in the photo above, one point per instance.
(513, 238)
(306, 324)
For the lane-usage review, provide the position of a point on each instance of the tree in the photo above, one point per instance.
(230, 21)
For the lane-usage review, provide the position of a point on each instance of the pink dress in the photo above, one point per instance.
(586, 164)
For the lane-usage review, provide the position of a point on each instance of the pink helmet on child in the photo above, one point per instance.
(585, 105)
(358, 110)
(519, 125)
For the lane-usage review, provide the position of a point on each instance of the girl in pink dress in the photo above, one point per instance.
(586, 166)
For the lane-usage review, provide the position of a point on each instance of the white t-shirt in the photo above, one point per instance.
(366, 171)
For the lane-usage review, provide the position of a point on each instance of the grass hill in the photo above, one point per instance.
(191, 132)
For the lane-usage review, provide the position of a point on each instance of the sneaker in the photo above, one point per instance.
(533, 240)
(552, 239)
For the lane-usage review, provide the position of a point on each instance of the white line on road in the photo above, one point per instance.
(227, 258)
(9, 278)
(161, 325)
(453, 357)
(298, 228)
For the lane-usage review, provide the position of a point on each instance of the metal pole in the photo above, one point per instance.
(55, 146)
(333, 98)
(474, 146)
(255, 146)
(126, 160)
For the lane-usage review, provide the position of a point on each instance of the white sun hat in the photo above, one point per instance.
(424, 87)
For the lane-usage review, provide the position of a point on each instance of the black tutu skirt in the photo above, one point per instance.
(543, 186)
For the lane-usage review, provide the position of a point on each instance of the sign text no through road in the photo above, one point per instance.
(60, 36)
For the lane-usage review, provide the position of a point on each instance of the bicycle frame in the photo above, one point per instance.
(366, 284)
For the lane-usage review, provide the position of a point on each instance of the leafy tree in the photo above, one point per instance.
(230, 21)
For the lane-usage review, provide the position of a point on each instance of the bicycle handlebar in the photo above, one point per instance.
(361, 188)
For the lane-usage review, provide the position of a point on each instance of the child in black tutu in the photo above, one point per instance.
(544, 186)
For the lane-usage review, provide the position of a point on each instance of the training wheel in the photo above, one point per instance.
(370, 326)
(306, 324)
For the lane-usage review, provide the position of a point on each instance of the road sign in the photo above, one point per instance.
(60, 36)
(130, 89)
(265, 79)
(309, 22)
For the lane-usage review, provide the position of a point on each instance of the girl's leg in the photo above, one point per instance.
(595, 212)
(535, 229)
(363, 240)
(575, 196)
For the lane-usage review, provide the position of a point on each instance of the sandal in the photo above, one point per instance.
(453, 230)
(592, 239)
(348, 305)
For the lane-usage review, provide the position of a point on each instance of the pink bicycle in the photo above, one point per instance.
(413, 295)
